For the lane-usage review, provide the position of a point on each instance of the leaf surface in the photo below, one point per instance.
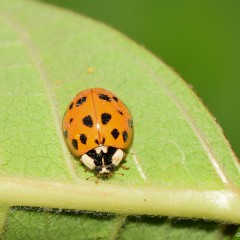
(180, 163)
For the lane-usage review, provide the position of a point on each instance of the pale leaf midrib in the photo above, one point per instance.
(155, 200)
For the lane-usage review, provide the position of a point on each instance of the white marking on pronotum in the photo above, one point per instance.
(117, 157)
(88, 161)
(139, 168)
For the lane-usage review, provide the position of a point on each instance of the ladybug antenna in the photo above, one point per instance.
(122, 174)
(93, 176)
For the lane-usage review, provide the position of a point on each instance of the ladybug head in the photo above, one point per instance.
(103, 160)
(104, 171)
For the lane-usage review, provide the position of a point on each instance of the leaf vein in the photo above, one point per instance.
(138, 165)
(191, 123)
(27, 42)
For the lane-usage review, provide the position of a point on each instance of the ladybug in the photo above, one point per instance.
(98, 127)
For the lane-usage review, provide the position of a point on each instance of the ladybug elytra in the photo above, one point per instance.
(98, 127)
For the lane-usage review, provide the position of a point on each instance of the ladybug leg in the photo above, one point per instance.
(96, 180)
(124, 167)
(85, 167)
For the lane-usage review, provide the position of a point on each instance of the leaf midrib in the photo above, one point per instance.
(224, 204)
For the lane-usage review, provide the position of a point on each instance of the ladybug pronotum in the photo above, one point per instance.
(98, 127)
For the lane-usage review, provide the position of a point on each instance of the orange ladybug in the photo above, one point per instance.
(98, 127)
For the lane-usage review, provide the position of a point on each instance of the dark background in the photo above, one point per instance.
(200, 39)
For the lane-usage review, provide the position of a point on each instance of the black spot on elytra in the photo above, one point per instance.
(70, 121)
(106, 117)
(120, 112)
(65, 133)
(115, 133)
(71, 105)
(83, 138)
(125, 136)
(87, 121)
(130, 123)
(81, 101)
(75, 144)
(96, 141)
(115, 98)
(103, 141)
(104, 97)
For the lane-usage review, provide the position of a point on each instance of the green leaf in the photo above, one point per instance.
(180, 164)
